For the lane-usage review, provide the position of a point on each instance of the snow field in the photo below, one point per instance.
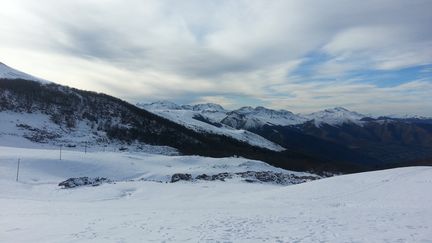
(382, 206)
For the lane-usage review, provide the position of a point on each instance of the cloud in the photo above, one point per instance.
(407, 98)
(231, 51)
(377, 47)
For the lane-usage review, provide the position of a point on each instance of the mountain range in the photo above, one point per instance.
(335, 140)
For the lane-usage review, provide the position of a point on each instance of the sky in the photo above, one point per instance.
(374, 57)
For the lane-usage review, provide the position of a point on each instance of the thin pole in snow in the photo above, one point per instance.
(18, 167)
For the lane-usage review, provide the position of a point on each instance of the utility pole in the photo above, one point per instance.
(18, 167)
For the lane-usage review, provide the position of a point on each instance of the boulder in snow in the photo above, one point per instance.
(181, 177)
(83, 181)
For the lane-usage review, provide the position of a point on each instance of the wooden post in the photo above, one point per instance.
(18, 167)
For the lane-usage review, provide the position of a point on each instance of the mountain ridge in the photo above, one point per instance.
(331, 116)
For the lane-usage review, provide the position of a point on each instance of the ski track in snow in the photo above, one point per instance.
(381, 206)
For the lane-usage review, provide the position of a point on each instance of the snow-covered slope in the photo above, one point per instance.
(10, 73)
(382, 206)
(37, 130)
(212, 111)
(335, 116)
(248, 117)
(206, 118)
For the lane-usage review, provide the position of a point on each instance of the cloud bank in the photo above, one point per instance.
(371, 56)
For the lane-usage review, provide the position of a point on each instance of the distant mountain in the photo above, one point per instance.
(388, 141)
(335, 116)
(208, 107)
(336, 134)
(168, 105)
(206, 118)
(249, 118)
(160, 105)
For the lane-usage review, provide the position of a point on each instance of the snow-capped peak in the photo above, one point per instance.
(335, 116)
(208, 107)
(249, 117)
(244, 110)
(252, 117)
(272, 113)
(168, 105)
(160, 105)
(262, 111)
(206, 118)
(7, 72)
(337, 109)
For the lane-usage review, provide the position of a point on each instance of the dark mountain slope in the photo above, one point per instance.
(393, 141)
(295, 139)
(376, 143)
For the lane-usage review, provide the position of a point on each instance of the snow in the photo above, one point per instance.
(335, 116)
(259, 116)
(7, 72)
(168, 105)
(382, 206)
(214, 114)
(120, 166)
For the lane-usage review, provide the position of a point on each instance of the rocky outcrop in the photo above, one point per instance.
(249, 176)
(181, 177)
(83, 181)
(274, 177)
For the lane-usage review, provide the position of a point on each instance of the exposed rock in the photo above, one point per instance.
(204, 177)
(275, 177)
(222, 176)
(83, 181)
(260, 177)
(181, 177)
